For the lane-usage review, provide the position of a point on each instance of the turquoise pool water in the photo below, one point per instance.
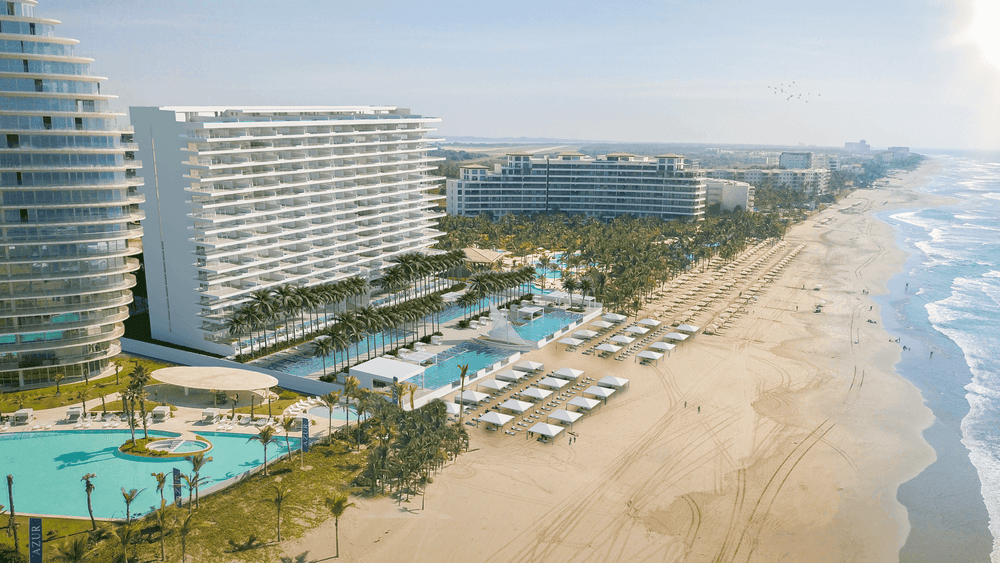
(339, 413)
(546, 325)
(446, 370)
(47, 467)
(191, 446)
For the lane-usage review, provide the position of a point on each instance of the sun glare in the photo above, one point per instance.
(985, 24)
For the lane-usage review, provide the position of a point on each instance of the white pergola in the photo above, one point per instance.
(530, 312)
(567, 373)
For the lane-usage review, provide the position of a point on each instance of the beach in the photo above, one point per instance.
(785, 437)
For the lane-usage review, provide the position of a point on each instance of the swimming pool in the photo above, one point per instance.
(446, 370)
(47, 467)
(339, 413)
(546, 325)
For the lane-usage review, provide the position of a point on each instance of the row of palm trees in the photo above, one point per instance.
(413, 271)
(496, 285)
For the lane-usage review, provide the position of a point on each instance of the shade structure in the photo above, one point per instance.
(583, 403)
(687, 328)
(452, 408)
(662, 346)
(223, 379)
(493, 385)
(571, 341)
(609, 348)
(637, 330)
(602, 324)
(520, 407)
(584, 334)
(497, 418)
(622, 339)
(649, 355)
(563, 415)
(529, 311)
(602, 392)
(510, 375)
(553, 383)
(613, 382)
(471, 397)
(613, 317)
(549, 430)
(650, 322)
(567, 373)
(527, 365)
(675, 336)
(536, 393)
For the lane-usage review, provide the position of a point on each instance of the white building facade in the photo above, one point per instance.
(603, 187)
(817, 178)
(730, 194)
(243, 198)
(795, 160)
(69, 208)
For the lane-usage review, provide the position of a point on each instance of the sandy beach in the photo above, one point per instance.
(784, 438)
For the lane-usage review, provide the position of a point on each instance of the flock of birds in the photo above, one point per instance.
(790, 92)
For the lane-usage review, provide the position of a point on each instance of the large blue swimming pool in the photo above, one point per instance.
(446, 370)
(546, 325)
(47, 467)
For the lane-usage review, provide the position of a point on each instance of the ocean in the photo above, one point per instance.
(944, 306)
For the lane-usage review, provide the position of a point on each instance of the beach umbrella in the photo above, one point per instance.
(567, 373)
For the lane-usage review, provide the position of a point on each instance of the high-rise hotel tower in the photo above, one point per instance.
(243, 199)
(69, 207)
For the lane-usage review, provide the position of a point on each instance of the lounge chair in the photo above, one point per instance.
(243, 420)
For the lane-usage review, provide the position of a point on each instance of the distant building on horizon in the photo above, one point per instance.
(730, 194)
(798, 179)
(69, 208)
(860, 146)
(249, 198)
(795, 160)
(604, 187)
(899, 153)
(828, 161)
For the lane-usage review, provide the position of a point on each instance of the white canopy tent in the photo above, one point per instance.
(676, 336)
(601, 392)
(613, 317)
(622, 339)
(613, 382)
(529, 312)
(602, 324)
(584, 334)
(496, 418)
(608, 348)
(452, 408)
(520, 407)
(637, 330)
(563, 415)
(492, 384)
(665, 346)
(649, 355)
(567, 373)
(553, 383)
(549, 430)
(583, 403)
(510, 375)
(572, 342)
(650, 322)
(536, 393)
(472, 397)
(687, 328)
(528, 365)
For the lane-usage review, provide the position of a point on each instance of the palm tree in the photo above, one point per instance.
(126, 535)
(287, 424)
(570, 284)
(265, 437)
(184, 530)
(127, 395)
(465, 369)
(74, 550)
(12, 522)
(287, 301)
(82, 395)
(322, 347)
(161, 519)
(340, 343)
(238, 324)
(198, 461)
(352, 327)
(280, 495)
(338, 504)
(129, 497)
(161, 482)
(191, 484)
(58, 379)
(332, 399)
(89, 487)
(350, 391)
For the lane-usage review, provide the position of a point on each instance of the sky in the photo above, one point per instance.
(919, 73)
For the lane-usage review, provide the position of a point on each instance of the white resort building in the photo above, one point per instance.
(811, 178)
(248, 198)
(730, 194)
(69, 208)
(605, 187)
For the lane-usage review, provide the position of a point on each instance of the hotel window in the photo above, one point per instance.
(13, 141)
(47, 122)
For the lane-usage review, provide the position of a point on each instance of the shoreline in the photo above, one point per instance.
(783, 458)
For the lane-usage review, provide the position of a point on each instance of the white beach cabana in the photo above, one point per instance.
(687, 328)
(637, 330)
(675, 336)
(613, 317)
(452, 408)
(553, 383)
(583, 403)
(520, 407)
(510, 375)
(567, 373)
(160, 413)
(662, 346)
(536, 394)
(528, 365)
(571, 342)
(547, 430)
(530, 312)
(584, 334)
(650, 322)
(608, 348)
(563, 415)
(23, 416)
(602, 324)
(648, 355)
(622, 339)
(599, 392)
(496, 418)
(492, 385)
(613, 382)
(471, 397)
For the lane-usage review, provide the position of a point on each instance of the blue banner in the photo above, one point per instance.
(35, 540)
(305, 435)
(177, 487)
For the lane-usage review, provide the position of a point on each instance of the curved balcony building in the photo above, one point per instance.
(69, 207)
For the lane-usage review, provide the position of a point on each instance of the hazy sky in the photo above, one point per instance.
(893, 72)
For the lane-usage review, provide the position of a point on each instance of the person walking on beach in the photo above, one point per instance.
(699, 409)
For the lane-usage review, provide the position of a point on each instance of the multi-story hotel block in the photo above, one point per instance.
(604, 187)
(247, 198)
(817, 178)
(69, 208)
(730, 194)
